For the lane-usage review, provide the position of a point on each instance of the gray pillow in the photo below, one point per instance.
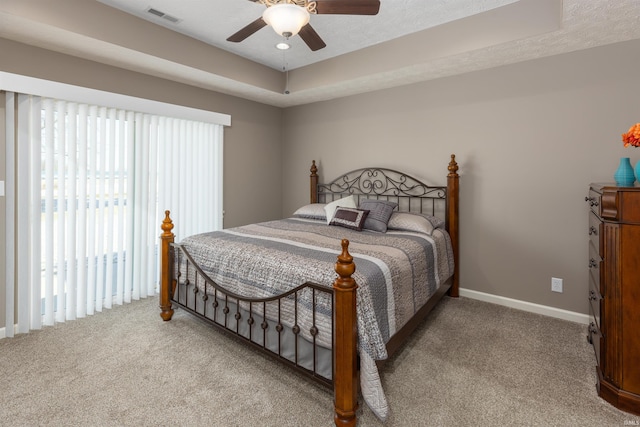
(406, 221)
(435, 221)
(379, 213)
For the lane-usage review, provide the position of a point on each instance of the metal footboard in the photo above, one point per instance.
(282, 326)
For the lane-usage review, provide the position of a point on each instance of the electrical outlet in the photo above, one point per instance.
(556, 284)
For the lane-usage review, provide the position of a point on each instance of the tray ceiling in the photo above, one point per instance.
(408, 41)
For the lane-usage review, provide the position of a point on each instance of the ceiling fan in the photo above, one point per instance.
(291, 17)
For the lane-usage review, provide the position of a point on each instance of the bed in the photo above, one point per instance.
(291, 289)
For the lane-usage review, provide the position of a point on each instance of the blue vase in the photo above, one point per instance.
(624, 175)
(637, 169)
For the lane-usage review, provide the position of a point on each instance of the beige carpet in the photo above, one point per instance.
(469, 364)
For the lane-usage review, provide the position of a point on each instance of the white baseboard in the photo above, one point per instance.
(526, 306)
(507, 302)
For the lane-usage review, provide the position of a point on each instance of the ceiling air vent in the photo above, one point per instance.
(163, 15)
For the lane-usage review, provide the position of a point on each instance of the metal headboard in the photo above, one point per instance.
(411, 194)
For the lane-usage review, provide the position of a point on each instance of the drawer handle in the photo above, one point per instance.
(592, 263)
(592, 201)
(593, 330)
(593, 230)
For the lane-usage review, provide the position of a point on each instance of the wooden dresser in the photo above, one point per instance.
(614, 292)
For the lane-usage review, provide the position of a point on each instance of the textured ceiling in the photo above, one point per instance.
(214, 21)
(434, 39)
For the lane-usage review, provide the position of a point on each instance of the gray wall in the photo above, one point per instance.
(529, 138)
(252, 144)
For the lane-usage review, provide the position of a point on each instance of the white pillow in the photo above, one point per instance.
(313, 211)
(345, 202)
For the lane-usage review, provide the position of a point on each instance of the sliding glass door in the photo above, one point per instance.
(92, 183)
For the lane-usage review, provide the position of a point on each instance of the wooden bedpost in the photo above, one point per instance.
(452, 219)
(345, 375)
(314, 182)
(166, 238)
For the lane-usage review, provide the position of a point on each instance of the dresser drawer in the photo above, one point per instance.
(595, 301)
(594, 200)
(595, 267)
(596, 339)
(596, 228)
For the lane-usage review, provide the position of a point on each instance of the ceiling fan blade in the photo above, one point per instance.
(247, 31)
(348, 7)
(311, 38)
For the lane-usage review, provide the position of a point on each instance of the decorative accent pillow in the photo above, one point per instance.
(345, 202)
(379, 213)
(312, 211)
(406, 221)
(349, 218)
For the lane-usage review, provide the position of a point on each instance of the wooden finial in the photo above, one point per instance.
(345, 266)
(453, 166)
(167, 224)
(314, 169)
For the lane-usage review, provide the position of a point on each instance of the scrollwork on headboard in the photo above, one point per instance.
(410, 193)
(378, 182)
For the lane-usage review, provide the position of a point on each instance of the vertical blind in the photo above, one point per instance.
(87, 187)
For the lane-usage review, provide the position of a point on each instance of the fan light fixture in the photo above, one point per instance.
(286, 19)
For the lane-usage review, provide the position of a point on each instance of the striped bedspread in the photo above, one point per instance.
(396, 272)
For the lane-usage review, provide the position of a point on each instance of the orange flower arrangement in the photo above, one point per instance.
(632, 137)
